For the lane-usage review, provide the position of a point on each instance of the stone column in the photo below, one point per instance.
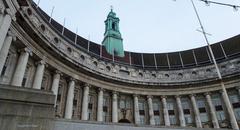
(37, 82)
(196, 112)
(70, 97)
(6, 22)
(150, 110)
(212, 111)
(136, 110)
(165, 111)
(21, 67)
(5, 49)
(85, 102)
(180, 112)
(114, 107)
(100, 105)
(55, 84)
(229, 108)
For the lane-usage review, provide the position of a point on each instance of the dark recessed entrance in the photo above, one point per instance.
(124, 121)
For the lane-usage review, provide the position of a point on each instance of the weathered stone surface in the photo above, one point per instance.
(80, 125)
(25, 109)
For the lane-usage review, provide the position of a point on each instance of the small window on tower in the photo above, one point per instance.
(113, 26)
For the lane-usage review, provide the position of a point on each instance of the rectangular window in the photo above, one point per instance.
(234, 98)
(157, 120)
(220, 115)
(141, 105)
(237, 113)
(5, 66)
(170, 106)
(216, 101)
(188, 119)
(156, 106)
(201, 103)
(142, 119)
(172, 119)
(204, 117)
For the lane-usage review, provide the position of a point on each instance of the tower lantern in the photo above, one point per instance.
(113, 41)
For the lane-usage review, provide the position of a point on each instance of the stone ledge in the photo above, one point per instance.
(65, 124)
(27, 95)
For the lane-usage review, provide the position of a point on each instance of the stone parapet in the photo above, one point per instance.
(25, 109)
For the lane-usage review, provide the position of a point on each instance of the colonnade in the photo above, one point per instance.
(6, 39)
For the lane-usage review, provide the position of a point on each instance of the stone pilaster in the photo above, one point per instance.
(196, 112)
(85, 102)
(100, 105)
(21, 67)
(55, 84)
(37, 82)
(5, 49)
(165, 111)
(70, 97)
(212, 111)
(136, 110)
(229, 108)
(114, 107)
(150, 110)
(180, 112)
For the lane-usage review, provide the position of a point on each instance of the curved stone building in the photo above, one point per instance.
(94, 90)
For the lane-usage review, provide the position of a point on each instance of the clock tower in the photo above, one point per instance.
(113, 41)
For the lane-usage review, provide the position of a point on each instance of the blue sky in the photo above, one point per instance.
(149, 25)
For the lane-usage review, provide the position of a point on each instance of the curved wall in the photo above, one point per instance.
(187, 93)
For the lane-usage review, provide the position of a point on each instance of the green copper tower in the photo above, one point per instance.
(113, 41)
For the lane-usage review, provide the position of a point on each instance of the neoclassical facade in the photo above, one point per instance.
(173, 90)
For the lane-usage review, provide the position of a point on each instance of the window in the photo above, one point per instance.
(172, 120)
(220, 115)
(188, 118)
(105, 116)
(142, 119)
(234, 98)
(204, 117)
(141, 105)
(217, 101)
(25, 76)
(157, 120)
(5, 66)
(89, 114)
(170, 106)
(125, 103)
(185, 105)
(237, 113)
(155, 106)
(201, 103)
(122, 104)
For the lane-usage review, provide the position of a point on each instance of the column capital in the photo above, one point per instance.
(136, 95)
(207, 93)
(58, 72)
(27, 50)
(87, 85)
(115, 92)
(101, 89)
(149, 96)
(192, 95)
(11, 34)
(177, 96)
(41, 62)
(163, 96)
(72, 79)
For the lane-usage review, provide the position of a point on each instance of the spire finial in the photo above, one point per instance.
(111, 8)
